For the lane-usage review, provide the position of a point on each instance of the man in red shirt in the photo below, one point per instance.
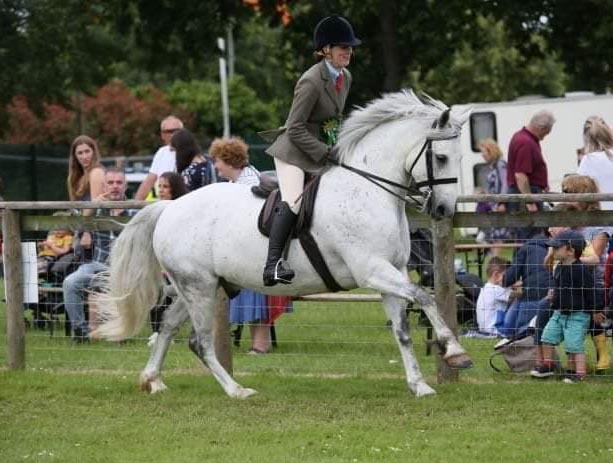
(526, 168)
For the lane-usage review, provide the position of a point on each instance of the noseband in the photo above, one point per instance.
(415, 196)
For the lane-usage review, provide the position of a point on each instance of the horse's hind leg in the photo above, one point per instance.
(389, 280)
(174, 317)
(201, 307)
(396, 312)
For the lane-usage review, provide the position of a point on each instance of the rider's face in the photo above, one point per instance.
(340, 55)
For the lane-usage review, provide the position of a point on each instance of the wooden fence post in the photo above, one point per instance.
(223, 343)
(445, 286)
(15, 324)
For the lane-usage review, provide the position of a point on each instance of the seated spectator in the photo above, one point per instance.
(232, 161)
(528, 271)
(573, 300)
(170, 186)
(76, 283)
(493, 300)
(57, 244)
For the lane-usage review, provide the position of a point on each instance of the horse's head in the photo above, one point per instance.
(435, 168)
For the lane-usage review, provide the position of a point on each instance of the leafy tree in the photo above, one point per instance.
(249, 113)
(492, 68)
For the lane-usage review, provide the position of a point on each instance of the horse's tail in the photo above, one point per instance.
(132, 285)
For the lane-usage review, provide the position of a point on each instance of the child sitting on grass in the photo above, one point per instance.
(573, 298)
(493, 299)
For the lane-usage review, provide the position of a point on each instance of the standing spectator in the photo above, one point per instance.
(76, 283)
(232, 161)
(573, 299)
(527, 171)
(164, 158)
(598, 159)
(595, 256)
(85, 183)
(170, 186)
(496, 183)
(85, 174)
(195, 168)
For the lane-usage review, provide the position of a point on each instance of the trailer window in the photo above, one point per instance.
(482, 126)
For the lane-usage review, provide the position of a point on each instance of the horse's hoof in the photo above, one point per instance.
(157, 386)
(459, 361)
(423, 390)
(244, 392)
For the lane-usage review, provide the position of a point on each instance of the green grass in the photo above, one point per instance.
(332, 392)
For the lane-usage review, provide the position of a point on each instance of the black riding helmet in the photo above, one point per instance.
(334, 30)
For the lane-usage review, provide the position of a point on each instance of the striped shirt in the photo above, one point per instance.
(103, 239)
(248, 176)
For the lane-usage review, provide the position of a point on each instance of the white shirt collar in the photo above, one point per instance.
(333, 71)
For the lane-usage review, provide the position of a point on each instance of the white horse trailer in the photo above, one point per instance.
(501, 120)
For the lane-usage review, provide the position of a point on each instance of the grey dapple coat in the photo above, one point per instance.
(301, 141)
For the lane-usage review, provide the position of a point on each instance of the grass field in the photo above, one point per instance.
(333, 391)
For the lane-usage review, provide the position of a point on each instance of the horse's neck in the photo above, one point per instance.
(382, 154)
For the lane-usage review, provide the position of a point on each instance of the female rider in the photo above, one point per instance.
(304, 143)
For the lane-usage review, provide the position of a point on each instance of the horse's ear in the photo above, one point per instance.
(443, 119)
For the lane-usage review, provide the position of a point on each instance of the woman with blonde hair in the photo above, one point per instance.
(595, 254)
(598, 159)
(495, 183)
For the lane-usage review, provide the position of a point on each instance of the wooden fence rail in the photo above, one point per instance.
(18, 218)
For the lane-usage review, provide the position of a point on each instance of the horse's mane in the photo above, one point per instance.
(390, 107)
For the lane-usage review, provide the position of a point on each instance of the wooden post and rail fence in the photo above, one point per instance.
(18, 217)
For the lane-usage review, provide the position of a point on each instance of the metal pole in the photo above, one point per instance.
(225, 105)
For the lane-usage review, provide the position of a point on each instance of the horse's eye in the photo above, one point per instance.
(442, 158)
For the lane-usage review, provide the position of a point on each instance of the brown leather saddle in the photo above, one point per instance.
(269, 190)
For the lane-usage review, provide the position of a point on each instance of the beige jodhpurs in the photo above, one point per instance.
(291, 184)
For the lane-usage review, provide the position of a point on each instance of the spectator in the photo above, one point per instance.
(57, 244)
(74, 285)
(496, 183)
(164, 158)
(573, 298)
(493, 300)
(528, 271)
(598, 159)
(85, 183)
(194, 167)
(258, 310)
(527, 171)
(595, 256)
(170, 186)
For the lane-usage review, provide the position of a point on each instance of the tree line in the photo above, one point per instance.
(112, 68)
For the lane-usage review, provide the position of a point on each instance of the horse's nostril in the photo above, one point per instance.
(441, 211)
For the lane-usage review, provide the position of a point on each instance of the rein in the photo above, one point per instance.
(414, 189)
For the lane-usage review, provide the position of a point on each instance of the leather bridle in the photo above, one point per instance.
(415, 196)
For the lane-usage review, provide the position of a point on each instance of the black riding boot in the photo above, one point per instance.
(277, 271)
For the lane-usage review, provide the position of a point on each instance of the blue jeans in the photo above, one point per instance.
(518, 317)
(73, 287)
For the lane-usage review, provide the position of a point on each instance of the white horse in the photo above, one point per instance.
(361, 229)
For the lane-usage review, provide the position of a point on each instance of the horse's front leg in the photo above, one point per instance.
(174, 317)
(395, 308)
(389, 280)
